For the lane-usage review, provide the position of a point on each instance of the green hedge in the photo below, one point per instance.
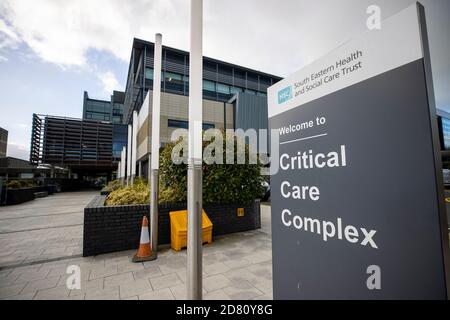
(20, 184)
(222, 183)
(138, 193)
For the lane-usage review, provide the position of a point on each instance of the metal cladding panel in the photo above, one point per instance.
(75, 142)
(251, 112)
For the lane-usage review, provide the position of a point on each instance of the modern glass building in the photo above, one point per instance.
(102, 110)
(3, 142)
(221, 80)
(110, 111)
(234, 97)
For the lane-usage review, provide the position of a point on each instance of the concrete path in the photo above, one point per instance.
(43, 229)
(33, 263)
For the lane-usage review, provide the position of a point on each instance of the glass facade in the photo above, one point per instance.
(98, 110)
(446, 132)
(3, 142)
(221, 80)
(102, 110)
(120, 139)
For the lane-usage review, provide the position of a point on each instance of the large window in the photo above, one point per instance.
(97, 106)
(223, 88)
(149, 73)
(174, 81)
(235, 90)
(209, 86)
(446, 132)
(181, 124)
(120, 139)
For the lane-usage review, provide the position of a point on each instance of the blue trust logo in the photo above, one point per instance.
(284, 95)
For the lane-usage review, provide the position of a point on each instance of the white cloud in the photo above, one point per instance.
(109, 82)
(62, 32)
(273, 36)
(22, 126)
(18, 151)
(3, 59)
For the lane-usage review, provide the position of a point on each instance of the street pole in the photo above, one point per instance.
(156, 119)
(134, 146)
(123, 162)
(194, 200)
(129, 146)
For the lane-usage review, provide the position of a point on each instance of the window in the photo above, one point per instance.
(173, 77)
(174, 81)
(207, 126)
(209, 86)
(178, 124)
(235, 90)
(223, 88)
(249, 91)
(182, 124)
(149, 73)
(446, 132)
(98, 116)
(261, 94)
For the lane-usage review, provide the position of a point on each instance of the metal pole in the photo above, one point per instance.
(156, 115)
(134, 146)
(129, 146)
(194, 238)
(123, 173)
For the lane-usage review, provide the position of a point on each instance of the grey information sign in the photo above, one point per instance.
(357, 203)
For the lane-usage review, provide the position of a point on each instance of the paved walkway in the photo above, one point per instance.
(43, 229)
(40, 239)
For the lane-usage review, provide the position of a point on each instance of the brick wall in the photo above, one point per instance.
(111, 229)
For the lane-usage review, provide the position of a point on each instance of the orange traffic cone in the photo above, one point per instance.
(144, 252)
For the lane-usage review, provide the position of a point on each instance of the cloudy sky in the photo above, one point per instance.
(53, 50)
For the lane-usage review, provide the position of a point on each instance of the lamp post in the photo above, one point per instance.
(156, 115)
(194, 200)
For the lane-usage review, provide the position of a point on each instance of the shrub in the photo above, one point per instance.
(139, 193)
(113, 186)
(21, 184)
(27, 183)
(13, 184)
(222, 183)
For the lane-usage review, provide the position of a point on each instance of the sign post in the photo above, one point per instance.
(357, 204)
(194, 199)
(156, 119)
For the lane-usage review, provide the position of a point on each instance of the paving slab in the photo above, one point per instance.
(33, 264)
(43, 229)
